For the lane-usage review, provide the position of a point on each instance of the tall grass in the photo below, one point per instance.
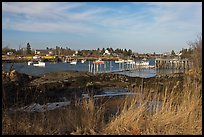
(179, 113)
(174, 112)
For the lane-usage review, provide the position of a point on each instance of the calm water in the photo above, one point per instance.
(55, 67)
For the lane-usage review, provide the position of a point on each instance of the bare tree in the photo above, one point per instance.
(197, 54)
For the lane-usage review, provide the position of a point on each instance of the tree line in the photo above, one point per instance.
(68, 51)
(186, 52)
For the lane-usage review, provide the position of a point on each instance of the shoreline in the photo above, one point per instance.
(53, 86)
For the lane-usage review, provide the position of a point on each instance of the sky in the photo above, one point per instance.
(144, 27)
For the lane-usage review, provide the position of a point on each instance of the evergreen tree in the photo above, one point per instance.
(28, 48)
(173, 53)
(103, 51)
(129, 53)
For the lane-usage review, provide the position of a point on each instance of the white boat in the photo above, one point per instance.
(143, 62)
(30, 63)
(130, 61)
(39, 64)
(74, 62)
(82, 61)
(119, 61)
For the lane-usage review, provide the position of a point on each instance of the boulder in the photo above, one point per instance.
(13, 75)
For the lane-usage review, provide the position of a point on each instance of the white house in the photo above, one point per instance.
(76, 53)
(35, 57)
(9, 53)
(179, 54)
(106, 52)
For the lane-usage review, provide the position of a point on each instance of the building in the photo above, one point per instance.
(43, 52)
(106, 52)
(9, 53)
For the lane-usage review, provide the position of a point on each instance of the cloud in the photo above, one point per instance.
(142, 22)
(38, 8)
(46, 17)
(157, 14)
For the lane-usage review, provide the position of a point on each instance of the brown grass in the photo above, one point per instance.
(179, 113)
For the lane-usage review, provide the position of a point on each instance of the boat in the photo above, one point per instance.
(130, 61)
(119, 61)
(30, 63)
(39, 64)
(143, 62)
(82, 61)
(99, 61)
(73, 62)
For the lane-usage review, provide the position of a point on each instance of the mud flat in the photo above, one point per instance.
(21, 89)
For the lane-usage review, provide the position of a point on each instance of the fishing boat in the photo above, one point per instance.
(130, 61)
(82, 61)
(73, 62)
(143, 62)
(99, 61)
(30, 63)
(39, 64)
(119, 61)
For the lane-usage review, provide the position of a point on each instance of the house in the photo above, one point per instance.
(35, 57)
(106, 52)
(50, 52)
(76, 53)
(9, 53)
(179, 54)
(43, 52)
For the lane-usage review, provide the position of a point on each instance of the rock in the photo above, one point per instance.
(30, 77)
(89, 84)
(4, 74)
(13, 75)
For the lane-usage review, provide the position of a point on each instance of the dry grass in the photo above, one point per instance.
(80, 119)
(179, 113)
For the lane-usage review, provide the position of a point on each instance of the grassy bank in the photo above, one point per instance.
(180, 112)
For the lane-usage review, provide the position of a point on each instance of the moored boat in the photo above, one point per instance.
(98, 62)
(39, 64)
(130, 61)
(82, 61)
(30, 63)
(74, 62)
(119, 61)
(143, 62)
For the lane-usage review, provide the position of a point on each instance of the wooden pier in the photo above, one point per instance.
(108, 68)
(160, 63)
(172, 63)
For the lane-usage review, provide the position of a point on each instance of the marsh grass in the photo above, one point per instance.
(178, 112)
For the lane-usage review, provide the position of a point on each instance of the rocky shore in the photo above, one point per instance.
(21, 89)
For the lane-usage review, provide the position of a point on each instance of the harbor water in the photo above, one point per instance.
(61, 66)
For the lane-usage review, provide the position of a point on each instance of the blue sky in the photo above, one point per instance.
(144, 27)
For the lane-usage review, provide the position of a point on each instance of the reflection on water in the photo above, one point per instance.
(147, 73)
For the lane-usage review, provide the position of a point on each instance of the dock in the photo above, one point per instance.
(172, 63)
(122, 67)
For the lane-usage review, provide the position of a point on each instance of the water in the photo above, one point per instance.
(55, 67)
(49, 67)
